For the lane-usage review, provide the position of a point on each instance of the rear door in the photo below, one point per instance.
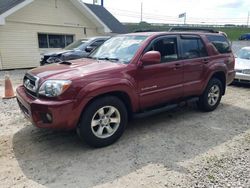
(160, 83)
(195, 57)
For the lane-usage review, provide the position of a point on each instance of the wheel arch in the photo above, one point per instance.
(122, 95)
(222, 77)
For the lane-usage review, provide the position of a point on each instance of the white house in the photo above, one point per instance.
(29, 27)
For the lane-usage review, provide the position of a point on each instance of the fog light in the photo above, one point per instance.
(49, 117)
(46, 117)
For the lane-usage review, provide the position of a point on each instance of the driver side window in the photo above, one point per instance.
(167, 46)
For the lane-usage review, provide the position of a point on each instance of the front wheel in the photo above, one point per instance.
(103, 121)
(211, 97)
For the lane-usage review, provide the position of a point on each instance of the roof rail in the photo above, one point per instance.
(192, 29)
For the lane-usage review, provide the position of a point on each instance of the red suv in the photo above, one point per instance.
(129, 74)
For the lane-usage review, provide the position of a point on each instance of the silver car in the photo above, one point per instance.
(242, 65)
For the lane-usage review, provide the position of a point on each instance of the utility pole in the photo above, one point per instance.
(248, 15)
(141, 10)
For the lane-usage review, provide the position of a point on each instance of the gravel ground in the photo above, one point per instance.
(237, 45)
(179, 148)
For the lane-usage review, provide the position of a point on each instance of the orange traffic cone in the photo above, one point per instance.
(9, 92)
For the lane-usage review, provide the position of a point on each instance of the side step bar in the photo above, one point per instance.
(164, 108)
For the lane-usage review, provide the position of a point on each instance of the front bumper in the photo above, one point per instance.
(64, 113)
(242, 78)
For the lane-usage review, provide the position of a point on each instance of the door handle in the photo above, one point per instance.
(177, 66)
(205, 60)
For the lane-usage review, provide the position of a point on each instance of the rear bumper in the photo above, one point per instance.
(64, 113)
(230, 77)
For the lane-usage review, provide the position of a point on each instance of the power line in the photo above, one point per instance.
(165, 18)
(161, 15)
(176, 20)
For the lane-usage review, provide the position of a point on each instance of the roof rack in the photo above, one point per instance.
(145, 30)
(192, 29)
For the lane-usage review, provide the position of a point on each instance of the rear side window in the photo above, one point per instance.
(192, 48)
(220, 43)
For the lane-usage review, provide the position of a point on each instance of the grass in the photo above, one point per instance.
(232, 32)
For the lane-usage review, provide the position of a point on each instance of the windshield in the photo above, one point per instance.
(76, 45)
(120, 48)
(244, 54)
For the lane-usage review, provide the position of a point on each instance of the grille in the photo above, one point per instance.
(246, 71)
(238, 70)
(30, 82)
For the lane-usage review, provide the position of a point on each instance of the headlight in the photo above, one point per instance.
(246, 71)
(54, 60)
(53, 88)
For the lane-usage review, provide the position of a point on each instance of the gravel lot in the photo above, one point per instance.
(179, 148)
(237, 45)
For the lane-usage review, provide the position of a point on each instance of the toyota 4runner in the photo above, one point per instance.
(129, 74)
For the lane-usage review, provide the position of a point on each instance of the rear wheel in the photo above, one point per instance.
(103, 121)
(211, 97)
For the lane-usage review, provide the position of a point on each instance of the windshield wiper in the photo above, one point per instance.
(108, 59)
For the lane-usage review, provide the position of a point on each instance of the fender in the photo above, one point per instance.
(101, 87)
(212, 70)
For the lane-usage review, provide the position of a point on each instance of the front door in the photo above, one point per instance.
(160, 83)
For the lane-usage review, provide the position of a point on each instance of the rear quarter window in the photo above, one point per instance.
(220, 43)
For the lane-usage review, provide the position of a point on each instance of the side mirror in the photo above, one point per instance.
(151, 57)
(89, 49)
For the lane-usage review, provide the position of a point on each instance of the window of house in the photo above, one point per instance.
(192, 48)
(167, 46)
(54, 40)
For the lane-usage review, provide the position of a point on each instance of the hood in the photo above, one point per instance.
(57, 53)
(242, 64)
(78, 68)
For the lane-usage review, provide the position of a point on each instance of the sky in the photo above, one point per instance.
(166, 11)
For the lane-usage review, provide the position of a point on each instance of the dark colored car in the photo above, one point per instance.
(132, 74)
(78, 49)
(245, 36)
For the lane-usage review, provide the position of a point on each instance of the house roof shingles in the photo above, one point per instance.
(107, 18)
(6, 5)
(103, 14)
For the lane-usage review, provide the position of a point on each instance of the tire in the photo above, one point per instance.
(211, 97)
(103, 121)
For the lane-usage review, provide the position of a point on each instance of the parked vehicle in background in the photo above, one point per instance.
(245, 36)
(242, 65)
(132, 74)
(78, 49)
